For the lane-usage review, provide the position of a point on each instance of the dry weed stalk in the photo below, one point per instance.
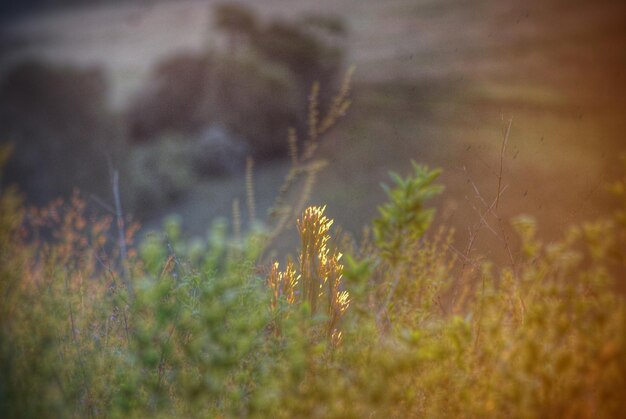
(488, 210)
(340, 104)
(121, 233)
(292, 140)
(250, 201)
(304, 164)
(314, 113)
(236, 221)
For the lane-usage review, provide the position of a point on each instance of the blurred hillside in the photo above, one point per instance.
(436, 82)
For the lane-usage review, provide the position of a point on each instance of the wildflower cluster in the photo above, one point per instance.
(317, 282)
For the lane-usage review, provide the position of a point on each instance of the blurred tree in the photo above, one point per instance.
(250, 96)
(301, 51)
(169, 100)
(331, 24)
(238, 21)
(61, 130)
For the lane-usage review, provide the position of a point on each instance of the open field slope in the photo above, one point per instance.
(436, 81)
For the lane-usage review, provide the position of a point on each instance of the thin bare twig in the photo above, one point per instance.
(505, 140)
(250, 201)
(104, 205)
(119, 215)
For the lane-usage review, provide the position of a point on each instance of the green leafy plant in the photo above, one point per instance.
(404, 219)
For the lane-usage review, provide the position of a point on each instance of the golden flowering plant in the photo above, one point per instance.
(282, 284)
(317, 283)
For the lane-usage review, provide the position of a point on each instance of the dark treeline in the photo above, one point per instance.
(14, 9)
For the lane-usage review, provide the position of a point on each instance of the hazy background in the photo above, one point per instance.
(159, 91)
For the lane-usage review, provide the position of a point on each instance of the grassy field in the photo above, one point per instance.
(436, 82)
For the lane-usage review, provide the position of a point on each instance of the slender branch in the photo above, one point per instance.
(250, 201)
(505, 140)
(119, 215)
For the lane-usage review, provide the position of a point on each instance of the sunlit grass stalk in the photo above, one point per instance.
(250, 201)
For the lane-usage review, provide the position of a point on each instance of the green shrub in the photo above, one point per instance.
(251, 97)
(404, 220)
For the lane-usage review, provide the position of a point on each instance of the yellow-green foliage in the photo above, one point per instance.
(396, 332)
